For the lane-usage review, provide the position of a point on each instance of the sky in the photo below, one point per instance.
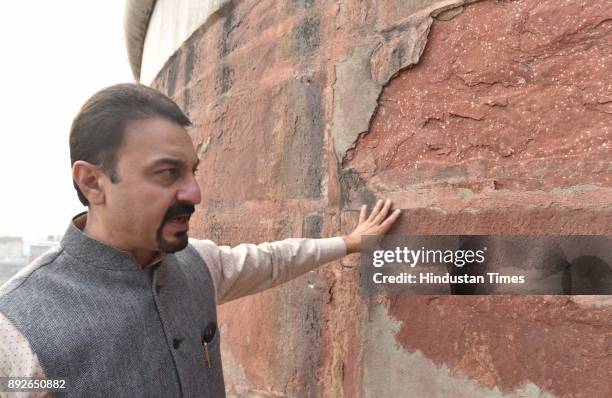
(55, 56)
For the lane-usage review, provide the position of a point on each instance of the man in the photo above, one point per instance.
(126, 305)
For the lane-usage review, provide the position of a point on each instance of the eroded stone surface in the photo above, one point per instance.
(504, 341)
(412, 373)
(507, 96)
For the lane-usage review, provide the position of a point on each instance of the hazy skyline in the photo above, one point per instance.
(56, 55)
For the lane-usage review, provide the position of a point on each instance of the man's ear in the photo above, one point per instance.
(88, 177)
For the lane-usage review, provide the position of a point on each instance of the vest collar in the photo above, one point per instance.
(100, 255)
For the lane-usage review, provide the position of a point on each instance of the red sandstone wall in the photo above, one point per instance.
(493, 118)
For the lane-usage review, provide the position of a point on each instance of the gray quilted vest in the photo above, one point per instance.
(112, 329)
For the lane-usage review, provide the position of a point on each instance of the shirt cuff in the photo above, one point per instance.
(332, 249)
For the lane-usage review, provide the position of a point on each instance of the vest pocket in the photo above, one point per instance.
(211, 355)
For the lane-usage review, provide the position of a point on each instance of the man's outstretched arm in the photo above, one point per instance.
(247, 268)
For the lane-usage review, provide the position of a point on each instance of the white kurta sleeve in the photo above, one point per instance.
(247, 268)
(17, 358)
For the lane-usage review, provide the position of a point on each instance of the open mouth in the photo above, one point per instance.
(179, 222)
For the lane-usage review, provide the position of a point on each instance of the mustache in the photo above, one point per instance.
(179, 209)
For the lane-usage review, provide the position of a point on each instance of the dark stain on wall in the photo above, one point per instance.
(312, 226)
(306, 37)
(312, 326)
(227, 12)
(303, 3)
(214, 230)
(189, 62)
(300, 170)
(225, 78)
(225, 74)
(284, 229)
(354, 188)
(188, 71)
(171, 79)
(186, 101)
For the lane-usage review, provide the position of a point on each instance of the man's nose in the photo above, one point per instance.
(190, 192)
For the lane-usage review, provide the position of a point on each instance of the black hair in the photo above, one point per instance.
(97, 130)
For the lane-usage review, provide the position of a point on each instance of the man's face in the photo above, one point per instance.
(150, 206)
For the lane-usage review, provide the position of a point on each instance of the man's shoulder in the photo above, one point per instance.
(205, 249)
(197, 253)
(21, 278)
(191, 254)
(202, 245)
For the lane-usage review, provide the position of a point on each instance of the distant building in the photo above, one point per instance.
(12, 257)
(11, 246)
(38, 248)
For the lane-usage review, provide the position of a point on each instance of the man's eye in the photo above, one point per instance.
(168, 173)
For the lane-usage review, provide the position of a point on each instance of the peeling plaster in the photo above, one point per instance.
(449, 14)
(355, 100)
(390, 371)
(361, 78)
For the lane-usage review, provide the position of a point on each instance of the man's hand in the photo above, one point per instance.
(376, 224)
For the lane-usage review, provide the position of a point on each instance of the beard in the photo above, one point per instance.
(172, 247)
(181, 239)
